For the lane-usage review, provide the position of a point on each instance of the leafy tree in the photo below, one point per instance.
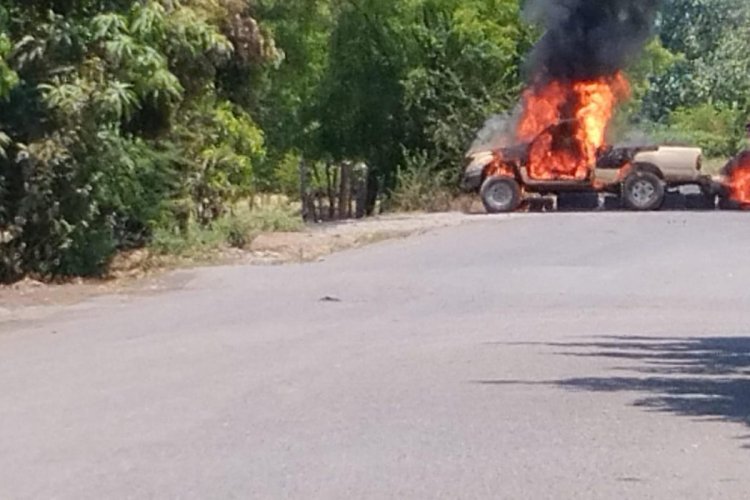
(101, 136)
(405, 77)
(710, 43)
(463, 68)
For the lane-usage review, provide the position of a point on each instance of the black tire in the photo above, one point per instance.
(643, 191)
(500, 195)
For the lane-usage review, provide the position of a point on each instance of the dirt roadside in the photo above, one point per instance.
(311, 244)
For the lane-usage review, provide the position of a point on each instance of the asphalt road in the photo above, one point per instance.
(586, 356)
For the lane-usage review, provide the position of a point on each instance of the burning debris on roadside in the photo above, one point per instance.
(736, 180)
(740, 185)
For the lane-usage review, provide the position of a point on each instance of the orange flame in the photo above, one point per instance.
(499, 167)
(568, 150)
(739, 181)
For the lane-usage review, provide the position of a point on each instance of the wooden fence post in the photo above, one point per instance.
(360, 190)
(308, 205)
(345, 191)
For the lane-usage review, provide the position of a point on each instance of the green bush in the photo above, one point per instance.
(196, 240)
(716, 129)
(420, 186)
(114, 128)
(71, 212)
(235, 230)
(287, 175)
(274, 219)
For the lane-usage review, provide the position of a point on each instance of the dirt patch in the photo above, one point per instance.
(321, 240)
(141, 272)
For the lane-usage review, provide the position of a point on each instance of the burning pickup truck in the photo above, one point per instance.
(641, 176)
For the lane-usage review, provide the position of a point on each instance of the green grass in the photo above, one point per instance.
(272, 219)
(236, 230)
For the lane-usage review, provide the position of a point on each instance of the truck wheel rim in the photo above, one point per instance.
(500, 194)
(643, 193)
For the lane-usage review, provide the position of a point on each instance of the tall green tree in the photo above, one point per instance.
(409, 77)
(710, 43)
(113, 119)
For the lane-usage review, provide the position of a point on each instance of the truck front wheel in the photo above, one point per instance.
(643, 191)
(500, 194)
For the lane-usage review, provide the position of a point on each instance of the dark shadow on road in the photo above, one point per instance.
(706, 378)
(593, 202)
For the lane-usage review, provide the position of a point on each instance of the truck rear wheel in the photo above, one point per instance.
(500, 194)
(643, 191)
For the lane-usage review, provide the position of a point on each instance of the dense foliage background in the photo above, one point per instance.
(122, 119)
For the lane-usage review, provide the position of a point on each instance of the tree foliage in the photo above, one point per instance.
(708, 73)
(113, 123)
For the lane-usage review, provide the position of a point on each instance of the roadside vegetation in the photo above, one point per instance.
(236, 229)
(154, 123)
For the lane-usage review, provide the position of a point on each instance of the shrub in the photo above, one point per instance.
(718, 130)
(420, 186)
(235, 230)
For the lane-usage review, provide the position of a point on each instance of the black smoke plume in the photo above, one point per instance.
(587, 39)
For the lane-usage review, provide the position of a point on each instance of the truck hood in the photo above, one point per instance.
(477, 162)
